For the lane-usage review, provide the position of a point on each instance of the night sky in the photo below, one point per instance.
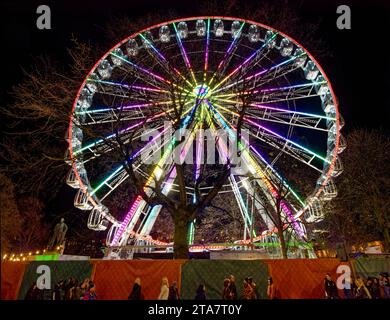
(358, 67)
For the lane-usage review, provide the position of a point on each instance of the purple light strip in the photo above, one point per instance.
(260, 106)
(133, 106)
(257, 74)
(128, 86)
(287, 140)
(141, 68)
(206, 59)
(184, 53)
(164, 59)
(229, 50)
(272, 89)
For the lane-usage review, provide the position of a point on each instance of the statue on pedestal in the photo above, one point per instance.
(58, 237)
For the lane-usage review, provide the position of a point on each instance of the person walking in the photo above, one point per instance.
(372, 285)
(201, 293)
(136, 292)
(330, 288)
(247, 293)
(254, 287)
(76, 292)
(173, 292)
(90, 294)
(226, 289)
(271, 289)
(164, 292)
(384, 285)
(232, 288)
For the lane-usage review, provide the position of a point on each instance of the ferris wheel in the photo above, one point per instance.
(291, 115)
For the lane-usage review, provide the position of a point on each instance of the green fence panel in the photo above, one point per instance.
(59, 270)
(213, 272)
(371, 267)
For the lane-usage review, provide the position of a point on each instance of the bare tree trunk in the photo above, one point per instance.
(180, 245)
(386, 235)
(283, 245)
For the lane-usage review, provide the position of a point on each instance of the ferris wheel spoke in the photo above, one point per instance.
(260, 78)
(242, 77)
(277, 94)
(285, 117)
(114, 181)
(258, 205)
(151, 148)
(122, 89)
(291, 119)
(162, 60)
(284, 144)
(131, 107)
(223, 151)
(148, 76)
(227, 56)
(255, 169)
(241, 204)
(269, 170)
(286, 148)
(253, 57)
(184, 54)
(104, 145)
(206, 51)
(126, 223)
(93, 147)
(100, 118)
(225, 124)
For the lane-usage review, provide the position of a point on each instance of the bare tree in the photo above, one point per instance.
(9, 215)
(360, 211)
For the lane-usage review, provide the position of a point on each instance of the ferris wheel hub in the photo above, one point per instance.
(201, 91)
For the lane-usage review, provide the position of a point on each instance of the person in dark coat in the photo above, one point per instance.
(232, 288)
(330, 288)
(226, 290)
(34, 293)
(173, 292)
(254, 287)
(201, 293)
(136, 292)
(58, 290)
(68, 287)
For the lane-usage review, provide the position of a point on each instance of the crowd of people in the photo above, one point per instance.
(70, 289)
(370, 288)
(229, 291)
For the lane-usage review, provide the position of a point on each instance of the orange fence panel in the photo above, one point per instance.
(114, 279)
(302, 278)
(11, 278)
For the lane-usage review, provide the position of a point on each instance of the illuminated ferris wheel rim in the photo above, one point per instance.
(335, 151)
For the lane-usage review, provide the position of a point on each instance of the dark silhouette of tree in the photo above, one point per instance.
(10, 218)
(360, 211)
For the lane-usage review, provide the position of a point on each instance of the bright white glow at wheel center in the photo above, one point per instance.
(201, 91)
